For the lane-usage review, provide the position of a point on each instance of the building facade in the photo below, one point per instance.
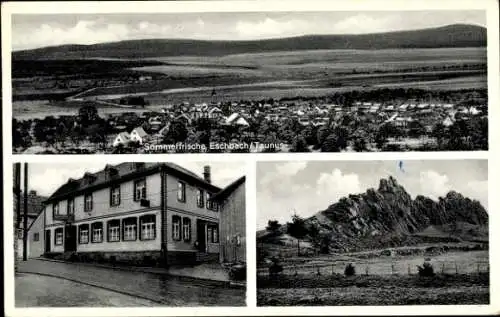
(231, 202)
(150, 213)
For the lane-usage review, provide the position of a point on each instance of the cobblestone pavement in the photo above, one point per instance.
(33, 290)
(164, 290)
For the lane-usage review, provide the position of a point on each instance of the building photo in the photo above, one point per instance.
(158, 219)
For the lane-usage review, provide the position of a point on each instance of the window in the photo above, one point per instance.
(114, 199)
(59, 236)
(55, 209)
(176, 227)
(139, 190)
(36, 236)
(88, 203)
(97, 234)
(148, 227)
(71, 206)
(210, 204)
(83, 234)
(209, 234)
(181, 191)
(200, 199)
(212, 234)
(186, 229)
(113, 230)
(129, 229)
(215, 236)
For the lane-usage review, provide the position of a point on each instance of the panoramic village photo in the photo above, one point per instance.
(376, 233)
(249, 82)
(130, 234)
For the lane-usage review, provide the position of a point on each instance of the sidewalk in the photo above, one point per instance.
(152, 284)
(207, 272)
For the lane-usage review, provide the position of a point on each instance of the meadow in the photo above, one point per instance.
(315, 71)
(294, 74)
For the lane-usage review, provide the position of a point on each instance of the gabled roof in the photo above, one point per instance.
(140, 132)
(125, 171)
(223, 194)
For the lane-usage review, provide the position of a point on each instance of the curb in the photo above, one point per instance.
(96, 285)
(229, 284)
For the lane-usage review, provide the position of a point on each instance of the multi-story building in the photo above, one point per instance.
(151, 213)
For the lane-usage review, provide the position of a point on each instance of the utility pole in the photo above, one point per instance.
(25, 219)
(17, 193)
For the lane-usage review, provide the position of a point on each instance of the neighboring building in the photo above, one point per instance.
(231, 201)
(122, 138)
(150, 213)
(35, 207)
(36, 237)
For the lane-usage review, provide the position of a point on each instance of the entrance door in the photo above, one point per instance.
(201, 236)
(47, 241)
(70, 238)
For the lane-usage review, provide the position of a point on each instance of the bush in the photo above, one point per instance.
(350, 270)
(275, 268)
(426, 269)
(238, 272)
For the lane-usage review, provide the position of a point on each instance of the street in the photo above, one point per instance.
(145, 288)
(34, 290)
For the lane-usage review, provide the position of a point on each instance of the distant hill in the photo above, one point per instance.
(456, 35)
(389, 217)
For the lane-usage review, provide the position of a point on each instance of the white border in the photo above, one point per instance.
(490, 6)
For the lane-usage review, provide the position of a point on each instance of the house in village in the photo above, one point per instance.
(236, 119)
(448, 121)
(139, 135)
(123, 138)
(149, 213)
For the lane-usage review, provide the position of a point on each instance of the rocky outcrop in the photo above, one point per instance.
(388, 216)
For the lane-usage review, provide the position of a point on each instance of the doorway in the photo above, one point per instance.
(70, 238)
(201, 235)
(47, 241)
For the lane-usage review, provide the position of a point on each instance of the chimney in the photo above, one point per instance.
(206, 174)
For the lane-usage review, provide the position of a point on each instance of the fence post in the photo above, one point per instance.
(442, 267)
(456, 268)
(392, 268)
(333, 270)
(366, 270)
(477, 267)
(409, 270)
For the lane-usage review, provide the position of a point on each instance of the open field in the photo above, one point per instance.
(375, 290)
(449, 262)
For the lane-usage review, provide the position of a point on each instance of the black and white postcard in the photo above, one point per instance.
(250, 157)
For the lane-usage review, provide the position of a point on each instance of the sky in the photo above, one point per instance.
(305, 188)
(45, 178)
(40, 30)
